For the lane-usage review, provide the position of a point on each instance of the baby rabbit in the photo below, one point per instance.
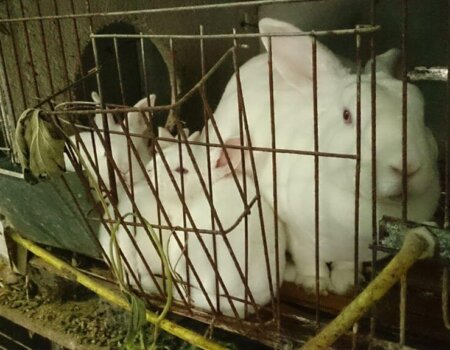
(337, 128)
(243, 253)
(138, 247)
(119, 145)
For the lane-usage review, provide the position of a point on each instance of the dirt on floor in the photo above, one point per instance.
(87, 319)
(82, 318)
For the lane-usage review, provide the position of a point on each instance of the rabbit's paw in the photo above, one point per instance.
(309, 283)
(342, 278)
(290, 273)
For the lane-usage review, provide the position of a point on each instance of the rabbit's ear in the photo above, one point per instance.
(163, 132)
(136, 122)
(293, 55)
(112, 124)
(194, 136)
(387, 62)
(142, 103)
(233, 153)
(95, 97)
(186, 131)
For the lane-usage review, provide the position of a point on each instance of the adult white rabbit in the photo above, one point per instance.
(337, 118)
(195, 254)
(119, 144)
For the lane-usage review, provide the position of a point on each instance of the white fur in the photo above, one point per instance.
(229, 205)
(293, 95)
(143, 256)
(119, 145)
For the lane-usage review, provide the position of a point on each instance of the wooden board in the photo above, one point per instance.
(46, 213)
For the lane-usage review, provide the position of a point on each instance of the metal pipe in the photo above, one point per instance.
(115, 298)
(160, 10)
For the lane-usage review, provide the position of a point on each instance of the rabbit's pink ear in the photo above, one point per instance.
(387, 62)
(293, 55)
(233, 153)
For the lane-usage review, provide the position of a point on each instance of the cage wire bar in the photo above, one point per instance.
(373, 147)
(447, 143)
(270, 317)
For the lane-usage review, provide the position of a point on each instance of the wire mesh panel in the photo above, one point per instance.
(210, 200)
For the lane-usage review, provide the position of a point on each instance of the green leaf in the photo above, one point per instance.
(37, 149)
(137, 320)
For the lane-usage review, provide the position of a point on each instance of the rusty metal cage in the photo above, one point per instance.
(196, 216)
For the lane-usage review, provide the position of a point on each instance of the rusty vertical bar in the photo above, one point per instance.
(447, 143)
(111, 174)
(402, 326)
(242, 140)
(16, 59)
(358, 154)
(316, 179)
(147, 117)
(119, 70)
(404, 110)
(180, 137)
(244, 181)
(156, 194)
(143, 114)
(159, 210)
(275, 182)
(129, 155)
(373, 136)
(357, 170)
(173, 112)
(445, 309)
(174, 83)
(94, 147)
(445, 271)
(148, 122)
(61, 44)
(208, 156)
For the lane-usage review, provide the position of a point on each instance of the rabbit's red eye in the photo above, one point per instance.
(181, 170)
(347, 116)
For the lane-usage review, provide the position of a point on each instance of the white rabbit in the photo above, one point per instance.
(119, 145)
(142, 256)
(229, 205)
(337, 119)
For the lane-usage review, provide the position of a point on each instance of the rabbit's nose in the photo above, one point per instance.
(411, 169)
